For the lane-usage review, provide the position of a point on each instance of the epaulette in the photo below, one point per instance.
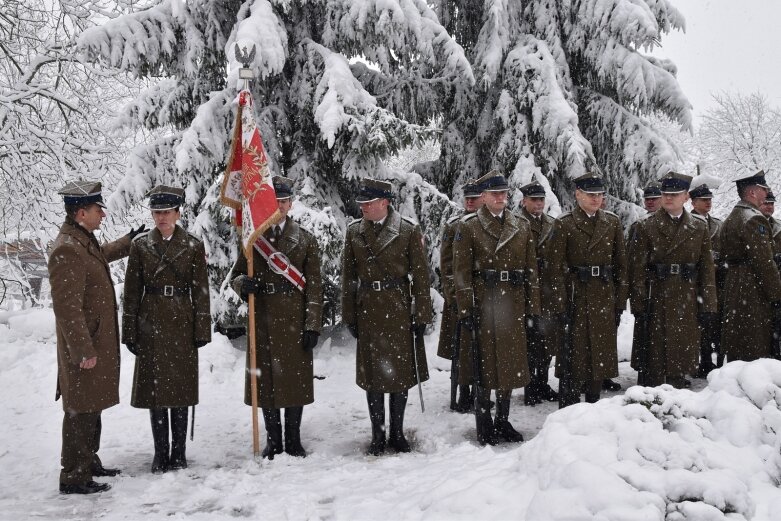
(700, 217)
(468, 216)
(405, 218)
(716, 219)
(565, 214)
(612, 214)
(143, 234)
(646, 217)
(454, 218)
(354, 221)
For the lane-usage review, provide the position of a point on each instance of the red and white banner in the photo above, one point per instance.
(247, 186)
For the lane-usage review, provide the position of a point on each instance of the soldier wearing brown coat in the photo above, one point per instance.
(165, 320)
(702, 201)
(590, 272)
(541, 344)
(495, 274)
(752, 287)
(672, 267)
(85, 311)
(768, 208)
(385, 302)
(447, 348)
(288, 321)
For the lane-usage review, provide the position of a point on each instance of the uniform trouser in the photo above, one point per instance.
(80, 444)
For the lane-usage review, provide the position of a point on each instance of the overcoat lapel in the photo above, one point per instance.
(489, 223)
(546, 230)
(509, 229)
(167, 251)
(682, 232)
(290, 237)
(389, 231)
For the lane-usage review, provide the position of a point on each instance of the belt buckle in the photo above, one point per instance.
(675, 269)
(595, 271)
(168, 291)
(377, 285)
(270, 289)
(504, 276)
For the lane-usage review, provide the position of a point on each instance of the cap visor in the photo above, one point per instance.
(668, 191)
(364, 199)
(652, 196)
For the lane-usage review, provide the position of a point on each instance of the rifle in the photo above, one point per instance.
(455, 364)
(567, 395)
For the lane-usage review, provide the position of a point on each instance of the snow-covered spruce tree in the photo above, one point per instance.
(561, 86)
(326, 119)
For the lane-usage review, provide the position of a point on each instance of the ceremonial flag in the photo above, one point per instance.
(247, 186)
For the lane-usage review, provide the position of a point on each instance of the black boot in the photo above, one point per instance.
(531, 393)
(293, 432)
(398, 405)
(159, 418)
(178, 438)
(483, 422)
(273, 433)
(610, 385)
(544, 391)
(377, 417)
(502, 425)
(465, 399)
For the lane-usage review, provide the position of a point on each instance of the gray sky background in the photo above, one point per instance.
(729, 45)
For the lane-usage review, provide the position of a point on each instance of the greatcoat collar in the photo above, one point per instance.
(388, 233)
(542, 227)
(596, 227)
(502, 232)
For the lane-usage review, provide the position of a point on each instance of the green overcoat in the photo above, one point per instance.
(751, 283)
(164, 329)
(449, 315)
(502, 307)
(382, 276)
(659, 242)
(583, 242)
(281, 317)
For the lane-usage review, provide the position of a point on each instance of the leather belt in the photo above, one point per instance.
(492, 277)
(167, 291)
(662, 271)
(586, 272)
(382, 285)
(272, 288)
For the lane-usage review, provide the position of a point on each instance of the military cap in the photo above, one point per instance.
(472, 189)
(757, 179)
(163, 197)
(533, 189)
(591, 183)
(82, 193)
(701, 192)
(770, 197)
(652, 191)
(675, 183)
(283, 187)
(372, 189)
(493, 181)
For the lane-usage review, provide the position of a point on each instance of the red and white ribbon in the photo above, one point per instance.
(279, 263)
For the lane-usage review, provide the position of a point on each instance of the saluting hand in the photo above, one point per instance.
(89, 363)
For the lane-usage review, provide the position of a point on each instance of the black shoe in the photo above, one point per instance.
(271, 419)
(547, 394)
(101, 472)
(610, 385)
(465, 400)
(531, 394)
(687, 383)
(377, 416)
(90, 487)
(505, 430)
(293, 432)
(159, 418)
(178, 459)
(397, 403)
(592, 397)
(399, 443)
(160, 463)
(484, 424)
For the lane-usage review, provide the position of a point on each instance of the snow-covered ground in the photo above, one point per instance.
(652, 454)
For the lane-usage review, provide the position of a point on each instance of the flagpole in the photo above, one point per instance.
(253, 364)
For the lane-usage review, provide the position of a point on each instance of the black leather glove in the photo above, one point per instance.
(708, 320)
(468, 322)
(310, 340)
(132, 348)
(132, 233)
(249, 285)
(353, 329)
(200, 343)
(419, 329)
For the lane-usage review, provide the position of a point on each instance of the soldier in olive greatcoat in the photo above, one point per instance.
(542, 344)
(590, 273)
(447, 348)
(768, 208)
(386, 302)
(752, 286)
(673, 287)
(85, 312)
(495, 275)
(165, 320)
(702, 201)
(288, 321)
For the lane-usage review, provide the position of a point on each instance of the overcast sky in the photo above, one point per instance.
(728, 45)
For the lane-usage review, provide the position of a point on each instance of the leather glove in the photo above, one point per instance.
(708, 320)
(200, 343)
(132, 233)
(310, 340)
(132, 348)
(468, 322)
(249, 285)
(353, 329)
(618, 317)
(418, 329)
